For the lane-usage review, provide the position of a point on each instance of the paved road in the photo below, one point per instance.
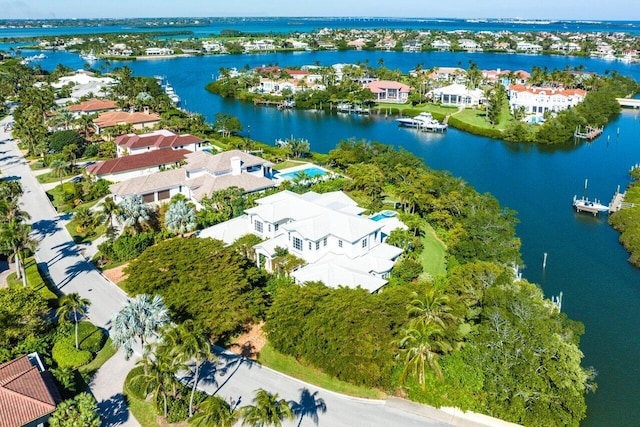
(71, 272)
(235, 379)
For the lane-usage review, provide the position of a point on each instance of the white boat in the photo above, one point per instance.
(344, 107)
(89, 57)
(424, 121)
(609, 57)
(173, 96)
(586, 205)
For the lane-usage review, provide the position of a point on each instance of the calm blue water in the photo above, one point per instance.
(585, 260)
(290, 25)
(311, 172)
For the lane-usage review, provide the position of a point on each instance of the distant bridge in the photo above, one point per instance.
(629, 102)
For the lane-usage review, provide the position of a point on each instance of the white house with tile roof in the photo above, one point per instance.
(327, 231)
(202, 174)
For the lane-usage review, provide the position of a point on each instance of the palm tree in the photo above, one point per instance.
(159, 375)
(267, 410)
(140, 318)
(73, 305)
(420, 348)
(432, 307)
(187, 343)
(133, 212)
(214, 411)
(110, 208)
(14, 238)
(180, 218)
(85, 218)
(59, 168)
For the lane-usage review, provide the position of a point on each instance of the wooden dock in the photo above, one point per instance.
(618, 203)
(589, 133)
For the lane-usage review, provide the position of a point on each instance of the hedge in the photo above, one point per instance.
(91, 339)
(135, 388)
(475, 130)
(66, 356)
(38, 281)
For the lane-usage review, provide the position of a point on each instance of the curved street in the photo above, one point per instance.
(233, 378)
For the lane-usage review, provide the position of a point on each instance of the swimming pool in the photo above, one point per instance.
(310, 172)
(383, 215)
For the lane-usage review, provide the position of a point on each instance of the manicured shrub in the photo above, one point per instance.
(177, 409)
(66, 356)
(90, 337)
(127, 246)
(135, 388)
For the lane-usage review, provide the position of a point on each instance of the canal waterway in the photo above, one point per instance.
(585, 260)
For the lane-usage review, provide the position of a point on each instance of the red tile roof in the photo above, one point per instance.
(547, 90)
(158, 139)
(93, 105)
(113, 118)
(138, 161)
(26, 394)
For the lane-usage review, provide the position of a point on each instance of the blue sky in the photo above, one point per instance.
(531, 9)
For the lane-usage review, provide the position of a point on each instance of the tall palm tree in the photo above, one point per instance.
(420, 348)
(267, 410)
(432, 307)
(59, 168)
(73, 305)
(214, 412)
(14, 238)
(110, 208)
(180, 218)
(140, 318)
(186, 342)
(159, 374)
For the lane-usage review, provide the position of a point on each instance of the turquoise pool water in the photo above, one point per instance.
(311, 172)
(382, 215)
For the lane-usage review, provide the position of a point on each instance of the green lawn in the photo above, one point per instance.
(432, 257)
(37, 281)
(48, 177)
(143, 411)
(290, 366)
(107, 351)
(477, 118)
(288, 164)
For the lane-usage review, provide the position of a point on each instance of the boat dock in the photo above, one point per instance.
(589, 133)
(280, 105)
(618, 203)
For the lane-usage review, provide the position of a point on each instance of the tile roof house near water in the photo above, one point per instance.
(538, 100)
(202, 174)
(136, 144)
(92, 106)
(137, 119)
(389, 91)
(28, 394)
(127, 167)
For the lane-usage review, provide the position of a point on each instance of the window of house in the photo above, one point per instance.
(258, 226)
(317, 246)
(268, 227)
(297, 244)
(364, 243)
(339, 243)
(275, 226)
(309, 245)
(324, 242)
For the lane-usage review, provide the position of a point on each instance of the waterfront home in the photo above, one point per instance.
(457, 95)
(138, 120)
(213, 46)
(528, 47)
(157, 51)
(127, 167)
(448, 74)
(389, 91)
(538, 100)
(84, 83)
(469, 45)
(339, 246)
(441, 44)
(92, 106)
(120, 49)
(506, 77)
(201, 174)
(28, 394)
(132, 144)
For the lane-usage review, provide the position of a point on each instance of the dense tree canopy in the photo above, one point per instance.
(203, 280)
